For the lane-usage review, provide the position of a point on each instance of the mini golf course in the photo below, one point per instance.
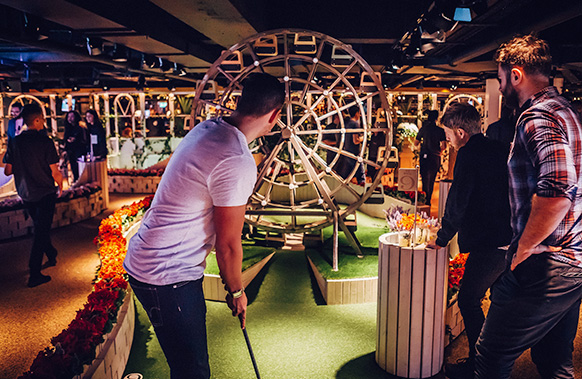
(293, 333)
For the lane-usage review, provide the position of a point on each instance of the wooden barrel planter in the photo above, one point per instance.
(412, 285)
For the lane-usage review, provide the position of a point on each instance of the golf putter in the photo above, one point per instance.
(244, 330)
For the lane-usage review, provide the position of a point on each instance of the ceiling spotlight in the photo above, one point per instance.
(75, 88)
(462, 14)
(105, 88)
(94, 47)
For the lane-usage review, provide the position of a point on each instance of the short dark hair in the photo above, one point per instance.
(16, 105)
(529, 52)
(261, 94)
(462, 116)
(30, 112)
(432, 115)
(353, 110)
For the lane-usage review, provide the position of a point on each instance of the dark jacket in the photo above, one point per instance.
(478, 201)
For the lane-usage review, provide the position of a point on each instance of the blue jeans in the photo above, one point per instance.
(537, 305)
(178, 315)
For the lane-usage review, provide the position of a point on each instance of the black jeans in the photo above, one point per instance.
(537, 305)
(41, 212)
(178, 314)
(429, 168)
(482, 269)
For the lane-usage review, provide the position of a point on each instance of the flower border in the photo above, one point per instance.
(76, 345)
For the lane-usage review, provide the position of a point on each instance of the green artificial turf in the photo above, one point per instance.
(293, 334)
(251, 254)
(349, 265)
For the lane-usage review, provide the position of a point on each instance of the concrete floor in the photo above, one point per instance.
(30, 317)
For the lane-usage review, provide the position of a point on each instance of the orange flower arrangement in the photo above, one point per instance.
(75, 345)
(456, 272)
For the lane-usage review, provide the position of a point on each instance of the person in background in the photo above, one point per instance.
(431, 139)
(75, 141)
(127, 150)
(503, 130)
(200, 204)
(477, 209)
(15, 123)
(96, 143)
(536, 301)
(32, 158)
(331, 139)
(377, 140)
(352, 143)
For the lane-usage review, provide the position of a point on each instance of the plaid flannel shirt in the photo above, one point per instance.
(546, 160)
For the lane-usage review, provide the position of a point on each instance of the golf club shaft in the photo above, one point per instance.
(251, 353)
(248, 341)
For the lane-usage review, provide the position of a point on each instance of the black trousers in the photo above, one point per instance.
(41, 212)
(482, 269)
(429, 168)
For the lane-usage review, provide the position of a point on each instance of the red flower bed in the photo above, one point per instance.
(456, 272)
(75, 345)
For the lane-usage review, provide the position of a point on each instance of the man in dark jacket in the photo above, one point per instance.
(431, 139)
(478, 209)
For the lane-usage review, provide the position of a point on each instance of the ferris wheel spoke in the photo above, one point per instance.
(276, 171)
(313, 69)
(342, 75)
(230, 78)
(265, 165)
(255, 58)
(307, 132)
(315, 104)
(321, 187)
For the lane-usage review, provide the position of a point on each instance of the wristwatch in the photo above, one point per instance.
(237, 294)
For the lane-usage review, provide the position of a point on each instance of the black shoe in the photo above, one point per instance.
(50, 263)
(463, 369)
(37, 280)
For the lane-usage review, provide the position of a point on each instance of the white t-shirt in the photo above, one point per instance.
(212, 166)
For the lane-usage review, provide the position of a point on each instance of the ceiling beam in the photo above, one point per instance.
(81, 54)
(148, 19)
(546, 22)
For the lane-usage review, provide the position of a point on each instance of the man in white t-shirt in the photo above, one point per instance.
(200, 203)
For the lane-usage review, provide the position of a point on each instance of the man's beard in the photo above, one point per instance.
(510, 95)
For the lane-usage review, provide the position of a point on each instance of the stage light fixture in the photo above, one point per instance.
(462, 14)
(94, 47)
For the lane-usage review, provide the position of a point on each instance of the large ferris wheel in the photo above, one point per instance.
(300, 186)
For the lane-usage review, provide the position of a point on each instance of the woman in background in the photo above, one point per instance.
(75, 141)
(96, 143)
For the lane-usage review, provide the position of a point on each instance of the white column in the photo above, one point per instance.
(434, 99)
(172, 117)
(53, 116)
(142, 107)
(70, 102)
(492, 101)
(107, 119)
(419, 110)
(95, 98)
